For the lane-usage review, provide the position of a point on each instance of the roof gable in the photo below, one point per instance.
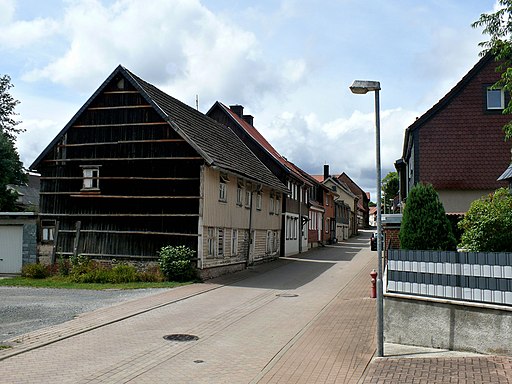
(217, 144)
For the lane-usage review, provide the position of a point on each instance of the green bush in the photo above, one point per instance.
(424, 222)
(487, 225)
(176, 263)
(35, 271)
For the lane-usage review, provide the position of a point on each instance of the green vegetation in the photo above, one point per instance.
(11, 168)
(424, 223)
(79, 272)
(487, 225)
(65, 283)
(389, 189)
(176, 263)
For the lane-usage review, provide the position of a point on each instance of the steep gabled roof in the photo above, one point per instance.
(443, 102)
(288, 166)
(217, 144)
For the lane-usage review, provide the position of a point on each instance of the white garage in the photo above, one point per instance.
(18, 242)
(11, 248)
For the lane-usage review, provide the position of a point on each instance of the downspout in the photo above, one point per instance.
(249, 261)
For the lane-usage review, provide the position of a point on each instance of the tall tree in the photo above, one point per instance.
(8, 125)
(498, 26)
(11, 168)
(390, 187)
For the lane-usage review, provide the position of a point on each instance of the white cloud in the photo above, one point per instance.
(346, 144)
(21, 33)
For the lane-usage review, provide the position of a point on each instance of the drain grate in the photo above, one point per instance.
(180, 337)
(287, 295)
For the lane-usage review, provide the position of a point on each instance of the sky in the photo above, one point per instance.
(288, 62)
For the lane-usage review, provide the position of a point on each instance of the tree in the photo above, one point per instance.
(8, 126)
(390, 187)
(487, 225)
(11, 172)
(11, 168)
(424, 222)
(498, 26)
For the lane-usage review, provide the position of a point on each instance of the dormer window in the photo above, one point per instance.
(91, 177)
(495, 98)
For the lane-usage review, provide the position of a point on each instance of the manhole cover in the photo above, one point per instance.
(180, 337)
(287, 295)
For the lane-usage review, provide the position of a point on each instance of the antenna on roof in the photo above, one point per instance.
(197, 102)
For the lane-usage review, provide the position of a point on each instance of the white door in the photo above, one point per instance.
(11, 246)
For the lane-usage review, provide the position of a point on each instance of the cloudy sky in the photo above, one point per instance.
(288, 62)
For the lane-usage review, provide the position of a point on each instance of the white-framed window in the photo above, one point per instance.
(220, 242)
(277, 206)
(258, 201)
(211, 241)
(234, 242)
(48, 230)
(269, 242)
(495, 98)
(271, 204)
(248, 195)
(91, 177)
(239, 192)
(295, 228)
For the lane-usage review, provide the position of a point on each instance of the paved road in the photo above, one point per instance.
(248, 331)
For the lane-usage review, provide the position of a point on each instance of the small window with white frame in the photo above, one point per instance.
(91, 177)
(258, 201)
(248, 195)
(277, 205)
(239, 192)
(211, 242)
(495, 98)
(220, 242)
(223, 188)
(234, 242)
(271, 204)
(48, 230)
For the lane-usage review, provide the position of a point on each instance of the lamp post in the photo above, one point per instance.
(362, 87)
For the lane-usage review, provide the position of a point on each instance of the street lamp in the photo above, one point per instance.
(362, 87)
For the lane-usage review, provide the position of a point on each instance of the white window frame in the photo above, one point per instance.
(271, 203)
(277, 205)
(48, 230)
(234, 242)
(258, 201)
(210, 242)
(221, 245)
(91, 174)
(493, 91)
(240, 193)
(248, 195)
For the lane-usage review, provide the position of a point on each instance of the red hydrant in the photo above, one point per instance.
(373, 293)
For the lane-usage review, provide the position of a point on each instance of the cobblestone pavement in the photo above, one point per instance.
(305, 319)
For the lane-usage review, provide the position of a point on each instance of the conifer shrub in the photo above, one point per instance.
(487, 226)
(424, 222)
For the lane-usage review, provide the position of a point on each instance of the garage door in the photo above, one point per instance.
(11, 246)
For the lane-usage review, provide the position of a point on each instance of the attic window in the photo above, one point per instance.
(495, 98)
(120, 84)
(91, 177)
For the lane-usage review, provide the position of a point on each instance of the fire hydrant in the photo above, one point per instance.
(373, 293)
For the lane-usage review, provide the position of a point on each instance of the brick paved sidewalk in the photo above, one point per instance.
(337, 346)
(462, 370)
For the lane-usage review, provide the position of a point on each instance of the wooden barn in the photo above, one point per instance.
(136, 169)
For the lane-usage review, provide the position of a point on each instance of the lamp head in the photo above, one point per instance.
(364, 86)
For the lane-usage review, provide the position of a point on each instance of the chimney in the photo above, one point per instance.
(249, 119)
(237, 109)
(326, 171)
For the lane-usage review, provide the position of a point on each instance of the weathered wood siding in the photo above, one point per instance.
(149, 179)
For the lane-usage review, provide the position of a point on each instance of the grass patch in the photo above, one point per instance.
(65, 282)
(5, 347)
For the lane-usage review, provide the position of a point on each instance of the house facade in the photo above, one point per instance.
(135, 170)
(458, 145)
(363, 211)
(294, 205)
